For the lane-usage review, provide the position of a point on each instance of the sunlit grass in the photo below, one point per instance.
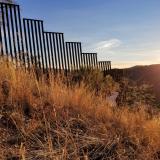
(48, 119)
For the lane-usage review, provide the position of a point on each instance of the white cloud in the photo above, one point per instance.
(107, 45)
(102, 46)
(106, 49)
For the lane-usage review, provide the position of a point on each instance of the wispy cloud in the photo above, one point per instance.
(105, 49)
(103, 46)
(108, 45)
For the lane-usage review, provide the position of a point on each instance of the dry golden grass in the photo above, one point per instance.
(49, 120)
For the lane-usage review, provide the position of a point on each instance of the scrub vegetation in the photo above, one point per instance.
(58, 118)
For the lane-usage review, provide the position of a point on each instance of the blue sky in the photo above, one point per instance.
(127, 32)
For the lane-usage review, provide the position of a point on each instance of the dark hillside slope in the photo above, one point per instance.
(148, 74)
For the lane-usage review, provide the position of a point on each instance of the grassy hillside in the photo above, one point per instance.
(50, 119)
(148, 74)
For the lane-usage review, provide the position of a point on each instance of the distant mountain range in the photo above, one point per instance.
(149, 74)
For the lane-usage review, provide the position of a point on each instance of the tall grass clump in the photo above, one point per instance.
(50, 119)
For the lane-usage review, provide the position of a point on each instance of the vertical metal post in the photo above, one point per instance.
(103, 64)
(4, 30)
(96, 61)
(48, 49)
(61, 49)
(17, 33)
(1, 42)
(37, 42)
(26, 43)
(68, 57)
(104, 67)
(107, 66)
(21, 36)
(85, 61)
(64, 52)
(40, 27)
(33, 43)
(88, 61)
(75, 54)
(55, 51)
(30, 44)
(80, 53)
(9, 34)
(100, 64)
(58, 53)
(51, 49)
(44, 49)
(110, 65)
(92, 60)
(73, 57)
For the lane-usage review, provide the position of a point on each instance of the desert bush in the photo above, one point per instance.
(96, 81)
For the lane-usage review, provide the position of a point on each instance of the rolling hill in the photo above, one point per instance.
(146, 74)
